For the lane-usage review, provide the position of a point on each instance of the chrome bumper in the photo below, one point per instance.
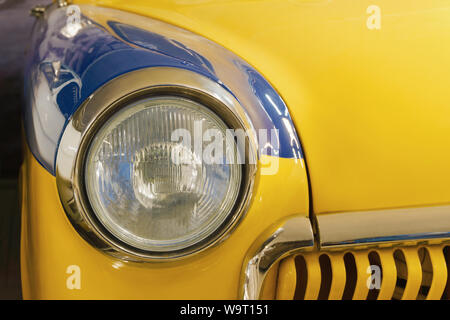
(340, 231)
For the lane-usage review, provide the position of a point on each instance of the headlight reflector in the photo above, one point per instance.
(141, 195)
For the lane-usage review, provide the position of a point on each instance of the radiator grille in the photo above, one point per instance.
(406, 273)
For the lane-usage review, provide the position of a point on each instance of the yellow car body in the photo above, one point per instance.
(371, 106)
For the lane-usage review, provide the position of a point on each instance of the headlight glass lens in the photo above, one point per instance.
(152, 192)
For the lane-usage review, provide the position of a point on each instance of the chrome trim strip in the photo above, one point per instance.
(362, 228)
(97, 109)
(341, 231)
(295, 235)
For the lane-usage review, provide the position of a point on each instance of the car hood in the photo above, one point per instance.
(369, 98)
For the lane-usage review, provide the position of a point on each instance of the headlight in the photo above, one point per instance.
(154, 193)
(152, 173)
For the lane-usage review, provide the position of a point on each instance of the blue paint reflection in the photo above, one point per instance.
(74, 67)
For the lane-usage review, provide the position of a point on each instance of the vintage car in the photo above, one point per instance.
(237, 149)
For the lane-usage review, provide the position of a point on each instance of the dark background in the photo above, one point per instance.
(15, 29)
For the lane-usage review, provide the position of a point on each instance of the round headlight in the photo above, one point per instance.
(152, 184)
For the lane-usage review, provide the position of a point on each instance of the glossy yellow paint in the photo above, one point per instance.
(414, 273)
(439, 268)
(270, 284)
(371, 106)
(389, 274)
(287, 279)
(372, 111)
(337, 282)
(49, 245)
(314, 276)
(362, 263)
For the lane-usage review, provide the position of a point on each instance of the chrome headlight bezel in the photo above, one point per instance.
(99, 107)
